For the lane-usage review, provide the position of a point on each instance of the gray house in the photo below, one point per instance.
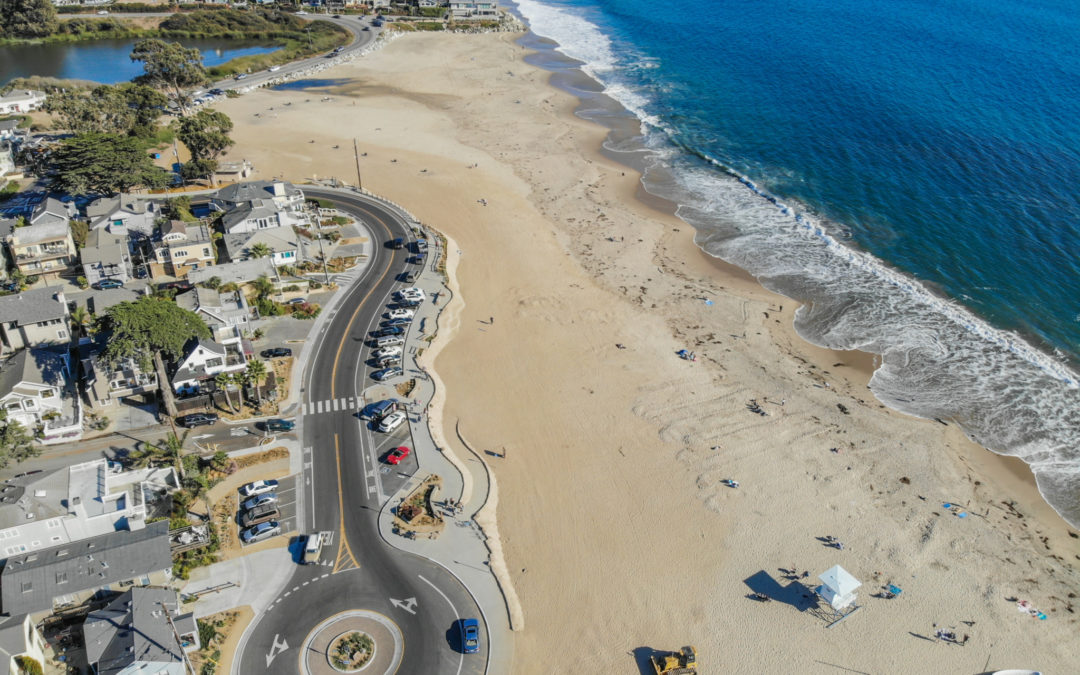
(34, 318)
(123, 214)
(260, 205)
(135, 634)
(106, 256)
(69, 574)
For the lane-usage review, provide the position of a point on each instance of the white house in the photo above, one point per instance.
(19, 636)
(474, 9)
(21, 101)
(204, 360)
(285, 245)
(35, 392)
(260, 205)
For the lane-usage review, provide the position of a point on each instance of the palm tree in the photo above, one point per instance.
(260, 250)
(223, 381)
(80, 320)
(263, 286)
(256, 371)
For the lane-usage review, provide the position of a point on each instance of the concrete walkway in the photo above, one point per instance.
(462, 548)
(254, 579)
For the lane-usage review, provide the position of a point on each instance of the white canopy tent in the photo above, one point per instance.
(838, 587)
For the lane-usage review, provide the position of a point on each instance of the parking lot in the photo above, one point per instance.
(391, 476)
(286, 504)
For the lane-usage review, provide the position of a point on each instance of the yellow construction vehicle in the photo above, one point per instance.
(682, 662)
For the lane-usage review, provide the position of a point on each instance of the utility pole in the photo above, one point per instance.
(356, 154)
(176, 635)
(322, 254)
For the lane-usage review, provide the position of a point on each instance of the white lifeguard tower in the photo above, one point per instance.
(838, 589)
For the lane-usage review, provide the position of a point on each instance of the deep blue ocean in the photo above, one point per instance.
(910, 169)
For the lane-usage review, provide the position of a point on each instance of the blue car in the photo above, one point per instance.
(470, 636)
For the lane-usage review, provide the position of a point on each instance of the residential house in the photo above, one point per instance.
(106, 384)
(233, 172)
(79, 502)
(106, 256)
(20, 101)
(34, 318)
(204, 360)
(137, 633)
(260, 205)
(19, 637)
(51, 211)
(69, 574)
(227, 313)
(474, 9)
(8, 129)
(183, 247)
(236, 272)
(124, 214)
(285, 245)
(37, 391)
(43, 249)
(7, 157)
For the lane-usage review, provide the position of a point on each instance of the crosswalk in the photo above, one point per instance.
(346, 404)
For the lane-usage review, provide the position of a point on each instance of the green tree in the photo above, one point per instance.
(206, 134)
(28, 665)
(260, 250)
(171, 67)
(27, 18)
(223, 382)
(166, 451)
(213, 283)
(198, 169)
(80, 320)
(148, 326)
(148, 105)
(178, 208)
(101, 110)
(103, 164)
(80, 229)
(15, 442)
(256, 371)
(262, 285)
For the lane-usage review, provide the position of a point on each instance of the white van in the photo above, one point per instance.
(312, 548)
(392, 421)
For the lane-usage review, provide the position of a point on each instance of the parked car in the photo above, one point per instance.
(259, 514)
(260, 532)
(387, 361)
(274, 69)
(417, 259)
(387, 374)
(388, 331)
(400, 314)
(392, 421)
(242, 76)
(376, 411)
(258, 487)
(397, 454)
(276, 353)
(279, 425)
(296, 301)
(388, 341)
(108, 283)
(197, 420)
(412, 290)
(394, 350)
(470, 636)
(397, 243)
(217, 92)
(397, 322)
(409, 277)
(420, 246)
(140, 272)
(259, 500)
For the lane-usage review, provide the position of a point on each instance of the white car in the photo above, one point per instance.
(401, 314)
(392, 421)
(391, 351)
(411, 295)
(258, 487)
(412, 290)
(274, 69)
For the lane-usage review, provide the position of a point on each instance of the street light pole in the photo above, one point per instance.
(356, 155)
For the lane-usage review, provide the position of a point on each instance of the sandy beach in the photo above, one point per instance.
(616, 528)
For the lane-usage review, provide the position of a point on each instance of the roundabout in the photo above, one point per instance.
(356, 641)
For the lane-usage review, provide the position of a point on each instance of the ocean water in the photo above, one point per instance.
(908, 169)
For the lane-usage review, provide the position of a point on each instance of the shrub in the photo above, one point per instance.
(291, 288)
(82, 282)
(28, 665)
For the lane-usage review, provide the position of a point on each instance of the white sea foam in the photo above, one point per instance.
(939, 360)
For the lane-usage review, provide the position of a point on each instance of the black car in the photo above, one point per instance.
(276, 353)
(389, 330)
(196, 420)
(178, 286)
(397, 243)
(420, 245)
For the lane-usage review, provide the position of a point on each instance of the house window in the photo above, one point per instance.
(62, 334)
(287, 254)
(14, 405)
(206, 253)
(61, 577)
(27, 586)
(179, 254)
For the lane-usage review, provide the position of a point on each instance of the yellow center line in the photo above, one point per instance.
(343, 548)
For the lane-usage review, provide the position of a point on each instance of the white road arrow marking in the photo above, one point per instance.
(406, 605)
(202, 436)
(275, 649)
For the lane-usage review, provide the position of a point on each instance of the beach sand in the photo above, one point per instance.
(616, 529)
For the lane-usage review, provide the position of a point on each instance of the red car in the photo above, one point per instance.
(397, 454)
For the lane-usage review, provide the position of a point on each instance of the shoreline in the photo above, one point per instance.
(622, 124)
(616, 448)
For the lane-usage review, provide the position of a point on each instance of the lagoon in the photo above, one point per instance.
(106, 61)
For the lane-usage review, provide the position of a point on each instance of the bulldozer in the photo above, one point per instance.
(682, 662)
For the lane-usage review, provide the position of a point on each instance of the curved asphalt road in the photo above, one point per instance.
(359, 570)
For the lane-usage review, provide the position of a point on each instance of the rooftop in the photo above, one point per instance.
(29, 582)
(256, 189)
(33, 306)
(237, 272)
(133, 629)
(44, 230)
(103, 246)
(38, 366)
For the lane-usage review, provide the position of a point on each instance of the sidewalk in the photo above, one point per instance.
(256, 579)
(462, 547)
